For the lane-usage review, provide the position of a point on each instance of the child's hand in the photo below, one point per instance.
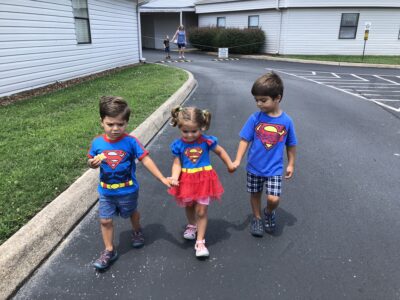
(289, 172)
(94, 162)
(166, 182)
(173, 181)
(236, 164)
(232, 168)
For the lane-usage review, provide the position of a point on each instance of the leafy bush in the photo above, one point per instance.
(243, 41)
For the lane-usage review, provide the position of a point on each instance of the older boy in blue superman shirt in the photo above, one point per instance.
(266, 133)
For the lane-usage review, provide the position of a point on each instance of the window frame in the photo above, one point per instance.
(347, 26)
(220, 18)
(258, 22)
(87, 22)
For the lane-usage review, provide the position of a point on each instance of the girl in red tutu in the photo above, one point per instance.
(195, 183)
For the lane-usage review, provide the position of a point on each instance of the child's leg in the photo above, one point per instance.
(107, 231)
(272, 203)
(255, 200)
(135, 220)
(190, 214)
(201, 217)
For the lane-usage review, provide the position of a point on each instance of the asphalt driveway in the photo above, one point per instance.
(337, 235)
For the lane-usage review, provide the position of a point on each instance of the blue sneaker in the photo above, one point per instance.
(106, 259)
(137, 239)
(256, 227)
(269, 221)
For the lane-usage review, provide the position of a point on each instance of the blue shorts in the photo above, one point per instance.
(181, 45)
(166, 49)
(124, 206)
(273, 184)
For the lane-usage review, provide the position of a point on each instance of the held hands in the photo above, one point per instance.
(233, 166)
(173, 181)
(166, 181)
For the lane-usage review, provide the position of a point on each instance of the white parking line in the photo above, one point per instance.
(335, 75)
(356, 76)
(394, 82)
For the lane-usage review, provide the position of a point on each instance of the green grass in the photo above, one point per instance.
(370, 59)
(44, 140)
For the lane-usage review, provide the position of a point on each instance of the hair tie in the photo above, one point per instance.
(180, 108)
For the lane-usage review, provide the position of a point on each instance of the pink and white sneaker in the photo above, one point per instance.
(190, 232)
(201, 249)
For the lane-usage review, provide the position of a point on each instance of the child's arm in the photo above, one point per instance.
(291, 155)
(176, 171)
(152, 167)
(242, 148)
(225, 158)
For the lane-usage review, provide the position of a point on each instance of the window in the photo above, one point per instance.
(221, 22)
(348, 26)
(253, 22)
(82, 26)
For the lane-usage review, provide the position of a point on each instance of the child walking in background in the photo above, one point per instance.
(115, 152)
(166, 47)
(195, 183)
(267, 132)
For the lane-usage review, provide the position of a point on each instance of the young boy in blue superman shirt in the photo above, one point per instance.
(266, 133)
(115, 152)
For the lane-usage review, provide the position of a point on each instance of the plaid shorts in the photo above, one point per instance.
(273, 184)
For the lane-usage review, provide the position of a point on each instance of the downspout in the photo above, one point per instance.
(139, 29)
(280, 26)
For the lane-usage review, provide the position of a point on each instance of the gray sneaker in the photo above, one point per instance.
(269, 221)
(256, 227)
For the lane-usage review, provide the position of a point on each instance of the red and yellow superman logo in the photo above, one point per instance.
(270, 134)
(194, 153)
(114, 157)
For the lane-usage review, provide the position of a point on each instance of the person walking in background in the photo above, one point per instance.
(166, 47)
(115, 152)
(267, 132)
(180, 37)
(194, 181)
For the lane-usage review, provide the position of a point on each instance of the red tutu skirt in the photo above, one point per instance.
(197, 186)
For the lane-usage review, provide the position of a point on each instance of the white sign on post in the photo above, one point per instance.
(223, 53)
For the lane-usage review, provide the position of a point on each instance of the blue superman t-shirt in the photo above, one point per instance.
(117, 170)
(194, 154)
(268, 137)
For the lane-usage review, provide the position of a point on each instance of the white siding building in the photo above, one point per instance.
(312, 26)
(45, 41)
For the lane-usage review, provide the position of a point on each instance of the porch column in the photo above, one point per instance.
(180, 18)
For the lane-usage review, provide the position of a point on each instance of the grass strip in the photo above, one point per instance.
(44, 140)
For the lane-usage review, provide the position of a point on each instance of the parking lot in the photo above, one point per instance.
(384, 90)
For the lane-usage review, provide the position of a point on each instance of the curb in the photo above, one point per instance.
(23, 252)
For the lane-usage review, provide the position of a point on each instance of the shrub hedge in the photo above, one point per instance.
(241, 41)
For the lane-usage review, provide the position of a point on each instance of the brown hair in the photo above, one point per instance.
(269, 84)
(112, 106)
(201, 117)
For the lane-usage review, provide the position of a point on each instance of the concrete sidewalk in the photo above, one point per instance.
(32, 244)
